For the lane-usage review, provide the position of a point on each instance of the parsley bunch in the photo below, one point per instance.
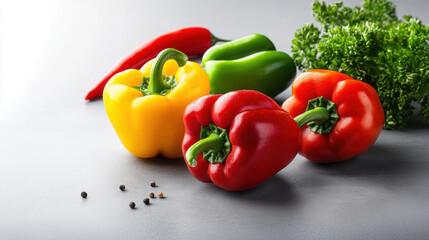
(370, 43)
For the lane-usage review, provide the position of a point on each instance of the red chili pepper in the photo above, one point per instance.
(191, 41)
(244, 137)
(344, 115)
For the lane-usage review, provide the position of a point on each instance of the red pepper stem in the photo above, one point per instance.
(156, 81)
(318, 115)
(216, 40)
(213, 142)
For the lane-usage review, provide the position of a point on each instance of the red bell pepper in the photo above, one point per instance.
(191, 41)
(344, 115)
(244, 138)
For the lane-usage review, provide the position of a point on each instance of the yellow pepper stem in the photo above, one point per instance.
(156, 81)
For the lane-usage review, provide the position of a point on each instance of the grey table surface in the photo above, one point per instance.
(54, 145)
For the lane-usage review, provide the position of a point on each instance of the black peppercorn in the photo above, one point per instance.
(146, 201)
(151, 195)
(122, 187)
(132, 205)
(153, 184)
(84, 194)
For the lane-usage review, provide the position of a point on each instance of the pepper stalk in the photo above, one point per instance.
(320, 116)
(214, 144)
(157, 83)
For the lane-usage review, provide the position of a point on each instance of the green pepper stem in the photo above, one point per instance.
(318, 115)
(216, 40)
(156, 82)
(213, 142)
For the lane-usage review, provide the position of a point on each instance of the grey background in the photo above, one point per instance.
(53, 145)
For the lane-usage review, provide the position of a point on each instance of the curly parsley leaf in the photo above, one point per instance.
(371, 44)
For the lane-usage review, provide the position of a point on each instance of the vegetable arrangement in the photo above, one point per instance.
(371, 44)
(239, 137)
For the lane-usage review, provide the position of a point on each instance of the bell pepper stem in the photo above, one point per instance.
(156, 81)
(318, 115)
(213, 142)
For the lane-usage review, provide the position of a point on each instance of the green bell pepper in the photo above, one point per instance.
(248, 63)
(238, 48)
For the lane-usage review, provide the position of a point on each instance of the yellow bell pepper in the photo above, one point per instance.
(146, 107)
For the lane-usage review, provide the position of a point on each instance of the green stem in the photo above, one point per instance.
(213, 142)
(156, 82)
(319, 115)
(216, 40)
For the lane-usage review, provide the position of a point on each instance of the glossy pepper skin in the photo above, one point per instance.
(251, 63)
(152, 123)
(263, 139)
(238, 48)
(269, 72)
(192, 41)
(359, 119)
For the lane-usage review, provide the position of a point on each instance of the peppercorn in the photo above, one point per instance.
(160, 195)
(146, 201)
(151, 195)
(122, 187)
(153, 184)
(132, 205)
(84, 194)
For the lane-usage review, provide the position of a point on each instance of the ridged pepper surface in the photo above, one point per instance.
(146, 106)
(238, 140)
(344, 115)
